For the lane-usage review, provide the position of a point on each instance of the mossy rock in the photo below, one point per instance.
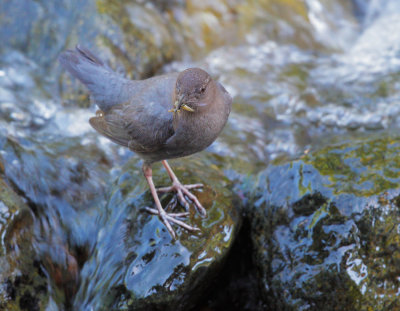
(325, 228)
(137, 265)
(23, 285)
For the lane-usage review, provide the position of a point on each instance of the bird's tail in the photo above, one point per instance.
(106, 87)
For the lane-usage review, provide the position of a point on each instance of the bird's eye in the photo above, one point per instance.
(202, 89)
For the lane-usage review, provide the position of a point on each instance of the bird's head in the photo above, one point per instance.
(192, 90)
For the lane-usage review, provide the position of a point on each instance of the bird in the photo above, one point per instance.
(167, 116)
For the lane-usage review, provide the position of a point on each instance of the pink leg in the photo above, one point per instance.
(166, 218)
(182, 191)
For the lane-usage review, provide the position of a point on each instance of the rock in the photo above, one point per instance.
(88, 244)
(23, 285)
(136, 264)
(64, 190)
(137, 35)
(325, 228)
(132, 37)
(76, 204)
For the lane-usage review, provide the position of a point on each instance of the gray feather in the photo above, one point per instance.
(106, 87)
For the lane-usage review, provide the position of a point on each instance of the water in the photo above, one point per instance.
(301, 73)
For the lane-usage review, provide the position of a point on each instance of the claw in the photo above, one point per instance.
(182, 191)
(155, 212)
(183, 194)
(167, 217)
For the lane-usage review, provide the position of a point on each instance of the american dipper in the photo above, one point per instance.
(163, 117)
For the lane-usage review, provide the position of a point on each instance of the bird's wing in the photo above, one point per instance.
(100, 124)
(142, 123)
(143, 127)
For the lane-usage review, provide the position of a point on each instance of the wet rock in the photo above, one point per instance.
(64, 194)
(23, 285)
(236, 287)
(44, 29)
(73, 168)
(288, 97)
(132, 37)
(200, 27)
(137, 35)
(67, 173)
(325, 228)
(275, 57)
(136, 264)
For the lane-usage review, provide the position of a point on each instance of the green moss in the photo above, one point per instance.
(141, 51)
(9, 197)
(22, 283)
(365, 167)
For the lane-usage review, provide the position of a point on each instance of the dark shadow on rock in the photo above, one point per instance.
(236, 287)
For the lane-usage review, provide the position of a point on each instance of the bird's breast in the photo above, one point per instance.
(196, 131)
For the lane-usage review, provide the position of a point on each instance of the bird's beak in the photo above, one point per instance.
(180, 105)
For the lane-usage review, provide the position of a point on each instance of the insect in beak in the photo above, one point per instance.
(187, 108)
(178, 105)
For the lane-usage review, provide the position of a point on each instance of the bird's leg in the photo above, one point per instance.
(182, 190)
(165, 217)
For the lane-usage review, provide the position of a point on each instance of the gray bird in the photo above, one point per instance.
(164, 117)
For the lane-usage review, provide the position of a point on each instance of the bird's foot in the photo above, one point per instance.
(183, 193)
(168, 218)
